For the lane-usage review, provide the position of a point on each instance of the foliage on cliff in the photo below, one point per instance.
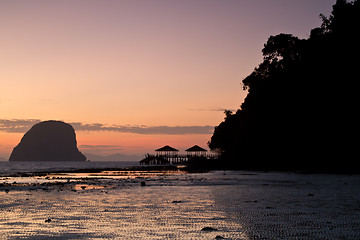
(302, 103)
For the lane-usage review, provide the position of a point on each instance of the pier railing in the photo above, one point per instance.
(160, 159)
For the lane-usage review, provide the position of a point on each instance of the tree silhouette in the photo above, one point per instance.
(302, 101)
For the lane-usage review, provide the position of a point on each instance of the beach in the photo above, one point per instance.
(179, 205)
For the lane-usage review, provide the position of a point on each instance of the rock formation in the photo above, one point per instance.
(48, 141)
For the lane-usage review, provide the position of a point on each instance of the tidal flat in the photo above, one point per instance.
(179, 205)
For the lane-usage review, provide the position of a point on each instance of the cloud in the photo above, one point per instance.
(17, 125)
(142, 129)
(100, 147)
(23, 125)
(209, 109)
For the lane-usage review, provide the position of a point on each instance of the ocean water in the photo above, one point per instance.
(8, 168)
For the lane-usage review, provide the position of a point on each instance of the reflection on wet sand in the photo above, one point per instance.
(214, 205)
(117, 208)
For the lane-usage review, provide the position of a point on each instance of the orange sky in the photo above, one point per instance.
(151, 63)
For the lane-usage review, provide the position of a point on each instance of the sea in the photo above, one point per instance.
(9, 168)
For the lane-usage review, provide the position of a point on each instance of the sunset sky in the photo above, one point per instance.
(132, 76)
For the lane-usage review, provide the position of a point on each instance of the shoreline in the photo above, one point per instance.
(161, 168)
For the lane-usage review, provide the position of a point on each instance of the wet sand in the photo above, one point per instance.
(179, 205)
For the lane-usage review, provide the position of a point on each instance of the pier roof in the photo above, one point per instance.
(166, 148)
(196, 148)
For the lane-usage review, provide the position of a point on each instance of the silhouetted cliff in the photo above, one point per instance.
(48, 141)
(300, 111)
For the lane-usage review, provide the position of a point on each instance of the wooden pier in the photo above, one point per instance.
(169, 156)
(180, 159)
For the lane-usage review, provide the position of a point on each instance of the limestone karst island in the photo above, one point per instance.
(48, 141)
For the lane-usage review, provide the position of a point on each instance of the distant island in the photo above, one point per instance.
(48, 141)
